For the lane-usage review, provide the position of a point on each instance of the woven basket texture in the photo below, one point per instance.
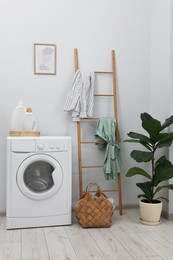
(94, 211)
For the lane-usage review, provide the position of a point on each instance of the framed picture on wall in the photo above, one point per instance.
(44, 59)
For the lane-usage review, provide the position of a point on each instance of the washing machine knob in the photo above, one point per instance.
(40, 147)
(51, 146)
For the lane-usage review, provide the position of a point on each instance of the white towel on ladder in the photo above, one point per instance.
(80, 98)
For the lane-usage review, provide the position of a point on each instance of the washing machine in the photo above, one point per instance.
(39, 181)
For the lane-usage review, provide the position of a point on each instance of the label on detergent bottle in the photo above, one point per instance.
(29, 121)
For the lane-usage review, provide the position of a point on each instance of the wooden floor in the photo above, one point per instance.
(126, 239)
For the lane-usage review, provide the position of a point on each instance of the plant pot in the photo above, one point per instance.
(150, 212)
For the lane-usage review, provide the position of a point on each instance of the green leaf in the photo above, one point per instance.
(151, 125)
(131, 141)
(146, 145)
(142, 196)
(146, 187)
(163, 171)
(137, 171)
(158, 198)
(141, 156)
(140, 137)
(168, 186)
(168, 122)
(166, 140)
(145, 116)
(165, 144)
(161, 160)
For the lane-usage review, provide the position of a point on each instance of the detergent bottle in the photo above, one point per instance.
(18, 116)
(29, 121)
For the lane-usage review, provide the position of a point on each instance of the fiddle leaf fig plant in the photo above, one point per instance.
(161, 168)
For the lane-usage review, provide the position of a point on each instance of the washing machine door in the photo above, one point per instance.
(39, 177)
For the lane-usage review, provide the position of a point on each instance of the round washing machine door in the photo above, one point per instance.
(39, 177)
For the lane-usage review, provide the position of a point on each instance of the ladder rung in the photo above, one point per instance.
(103, 95)
(104, 72)
(102, 191)
(92, 166)
(87, 142)
(93, 142)
(90, 118)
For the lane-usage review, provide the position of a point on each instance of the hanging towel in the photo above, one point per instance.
(105, 132)
(80, 98)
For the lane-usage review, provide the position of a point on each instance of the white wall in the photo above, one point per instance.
(160, 58)
(160, 65)
(170, 208)
(94, 27)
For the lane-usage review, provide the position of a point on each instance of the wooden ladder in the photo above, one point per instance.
(80, 142)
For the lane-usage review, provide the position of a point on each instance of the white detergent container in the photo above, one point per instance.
(17, 117)
(29, 121)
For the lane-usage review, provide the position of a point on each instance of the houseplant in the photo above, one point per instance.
(161, 168)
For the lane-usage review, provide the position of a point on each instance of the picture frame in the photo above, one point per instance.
(44, 59)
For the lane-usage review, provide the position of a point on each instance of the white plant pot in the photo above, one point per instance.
(150, 212)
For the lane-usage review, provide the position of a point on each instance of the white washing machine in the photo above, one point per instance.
(39, 181)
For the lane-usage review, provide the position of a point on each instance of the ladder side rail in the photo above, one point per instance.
(76, 64)
(116, 134)
(115, 94)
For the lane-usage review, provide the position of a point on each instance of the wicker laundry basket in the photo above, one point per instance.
(94, 211)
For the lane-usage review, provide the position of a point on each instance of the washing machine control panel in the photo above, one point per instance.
(48, 146)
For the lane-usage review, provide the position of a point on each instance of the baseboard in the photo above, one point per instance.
(125, 206)
(129, 206)
(170, 216)
(135, 206)
(167, 215)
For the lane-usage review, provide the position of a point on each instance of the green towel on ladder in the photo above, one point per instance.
(105, 132)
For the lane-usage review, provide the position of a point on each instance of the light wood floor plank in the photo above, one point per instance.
(59, 245)
(134, 244)
(130, 220)
(85, 248)
(109, 245)
(76, 230)
(8, 236)
(163, 247)
(165, 231)
(34, 244)
(150, 258)
(127, 239)
(10, 251)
